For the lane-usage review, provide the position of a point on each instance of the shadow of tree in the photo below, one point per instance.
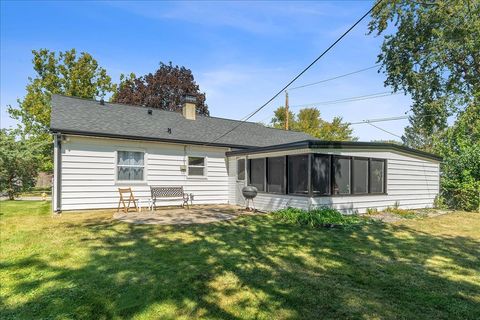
(252, 268)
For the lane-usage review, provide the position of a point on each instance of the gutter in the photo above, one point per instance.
(140, 138)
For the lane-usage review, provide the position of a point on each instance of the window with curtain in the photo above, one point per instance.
(130, 166)
(241, 169)
(377, 176)
(321, 174)
(298, 174)
(196, 166)
(342, 171)
(257, 173)
(276, 175)
(360, 176)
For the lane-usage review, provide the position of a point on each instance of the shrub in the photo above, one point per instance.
(322, 217)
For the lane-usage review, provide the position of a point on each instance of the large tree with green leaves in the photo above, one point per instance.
(66, 73)
(309, 120)
(19, 162)
(163, 89)
(431, 50)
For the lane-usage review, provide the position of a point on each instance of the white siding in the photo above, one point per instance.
(89, 171)
(412, 181)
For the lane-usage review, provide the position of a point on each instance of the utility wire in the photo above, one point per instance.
(300, 74)
(334, 78)
(393, 134)
(349, 99)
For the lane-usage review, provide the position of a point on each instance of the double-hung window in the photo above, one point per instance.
(377, 176)
(130, 166)
(196, 166)
(360, 175)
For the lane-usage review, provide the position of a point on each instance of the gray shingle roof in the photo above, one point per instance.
(89, 117)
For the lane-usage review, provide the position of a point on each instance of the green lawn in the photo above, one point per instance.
(88, 266)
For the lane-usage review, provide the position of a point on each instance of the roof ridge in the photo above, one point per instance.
(162, 110)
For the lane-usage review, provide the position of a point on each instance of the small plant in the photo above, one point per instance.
(408, 214)
(372, 211)
(322, 217)
(396, 205)
(440, 202)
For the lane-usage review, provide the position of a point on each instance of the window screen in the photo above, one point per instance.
(276, 175)
(377, 176)
(298, 174)
(360, 176)
(321, 174)
(257, 173)
(130, 166)
(196, 166)
(341, 182)
(241, 169)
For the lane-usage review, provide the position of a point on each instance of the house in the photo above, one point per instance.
(102, 146)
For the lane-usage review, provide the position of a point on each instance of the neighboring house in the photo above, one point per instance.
(101, 146)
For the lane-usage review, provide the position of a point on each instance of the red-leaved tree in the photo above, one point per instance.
(163, 89)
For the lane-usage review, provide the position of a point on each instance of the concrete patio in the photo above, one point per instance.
(175, 215)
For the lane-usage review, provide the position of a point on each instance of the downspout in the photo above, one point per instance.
(58, 173)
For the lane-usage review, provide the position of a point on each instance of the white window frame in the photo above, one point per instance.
(127, 182)
(204, 167)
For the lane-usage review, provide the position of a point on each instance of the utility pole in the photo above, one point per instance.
(286, 110)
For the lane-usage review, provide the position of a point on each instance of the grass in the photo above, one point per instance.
(88, 266)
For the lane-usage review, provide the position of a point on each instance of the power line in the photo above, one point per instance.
(393, 134)
(349, 99)
(379, 120)
(334, 78)
(300, 74)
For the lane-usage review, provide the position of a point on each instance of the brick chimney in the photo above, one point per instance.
(188, 107)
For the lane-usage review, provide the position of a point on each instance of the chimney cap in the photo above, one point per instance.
(189, 98)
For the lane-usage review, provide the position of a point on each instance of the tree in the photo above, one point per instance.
(162, 90)
(278, 120)
(18, 163)
(309, 121)
(336, 131)
(431, 50)
(460, 147)
(63, 73)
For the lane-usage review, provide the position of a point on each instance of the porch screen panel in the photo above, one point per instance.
(298, 174)
(321, 174)
(360, 176)
(241, 169)
(377, 176)
(257, 173)
(341, 182)
(276, 175)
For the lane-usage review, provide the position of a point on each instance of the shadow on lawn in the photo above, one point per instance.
(255, 268)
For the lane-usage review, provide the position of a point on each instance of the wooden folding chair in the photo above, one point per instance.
(124, 193)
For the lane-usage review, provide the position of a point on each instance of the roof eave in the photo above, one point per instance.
(335, 145)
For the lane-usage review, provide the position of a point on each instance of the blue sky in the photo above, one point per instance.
(240, 53)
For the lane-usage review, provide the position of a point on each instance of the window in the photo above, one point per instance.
(276, 175)
(257, 173)
(360, 176)
(196, 166)
(377, 176)
(341, 169)
(130, 166)
(298, 174)
(241, 169)
(320, 174)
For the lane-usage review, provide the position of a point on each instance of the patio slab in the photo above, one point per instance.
(173, 215)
